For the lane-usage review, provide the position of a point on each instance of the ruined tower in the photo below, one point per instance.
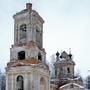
(27, 69)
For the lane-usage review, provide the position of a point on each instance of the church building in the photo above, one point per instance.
(27, 69)
(64, 72)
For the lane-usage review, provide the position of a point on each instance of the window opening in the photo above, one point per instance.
(40, 56)
(71, 86)
(23, 33)
(38, 38)
(68, 69)
(21, 55)
(42, 84)
(20, 83)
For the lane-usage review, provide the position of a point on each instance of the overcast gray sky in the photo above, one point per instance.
(67, 25)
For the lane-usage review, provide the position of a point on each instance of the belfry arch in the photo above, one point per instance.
(42, 84)
(20, 83)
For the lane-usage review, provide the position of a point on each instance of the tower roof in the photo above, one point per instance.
(29, 10)
(72, 85)
(65, 59)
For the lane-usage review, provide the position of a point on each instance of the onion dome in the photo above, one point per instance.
(57, 54)
(70, 55)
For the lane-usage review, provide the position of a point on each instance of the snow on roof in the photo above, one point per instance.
(65, 59)
(79, 86)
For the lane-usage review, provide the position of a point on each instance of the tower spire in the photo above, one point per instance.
(70, 55)
(57, 55)
(69, 50)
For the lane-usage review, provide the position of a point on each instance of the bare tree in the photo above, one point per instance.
(2, 81)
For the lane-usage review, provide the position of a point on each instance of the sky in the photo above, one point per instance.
(67, 25)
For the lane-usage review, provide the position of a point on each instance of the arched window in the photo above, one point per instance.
(21, 55)
(72, 86)
(68, 70)
(20, 83)
(39, 56)
(42, 84)
(38, 38)
(22, 36)
(61, 72)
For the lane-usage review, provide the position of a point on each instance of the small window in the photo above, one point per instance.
(21, 55)
(68, 70)
(40, 56)
(20, 83)
(71, 86)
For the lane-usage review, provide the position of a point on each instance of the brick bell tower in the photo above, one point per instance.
(27, 69)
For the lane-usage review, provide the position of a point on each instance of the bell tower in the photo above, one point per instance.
(28, 27)
(28, 35)
(27, 68)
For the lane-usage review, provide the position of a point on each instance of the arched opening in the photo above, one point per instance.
(20, 83)
(39, 56)
(61, 72)
(42, 84)
(22, 36)
(21, 55)
(38, 38)
(68, 70)
(72, 86)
